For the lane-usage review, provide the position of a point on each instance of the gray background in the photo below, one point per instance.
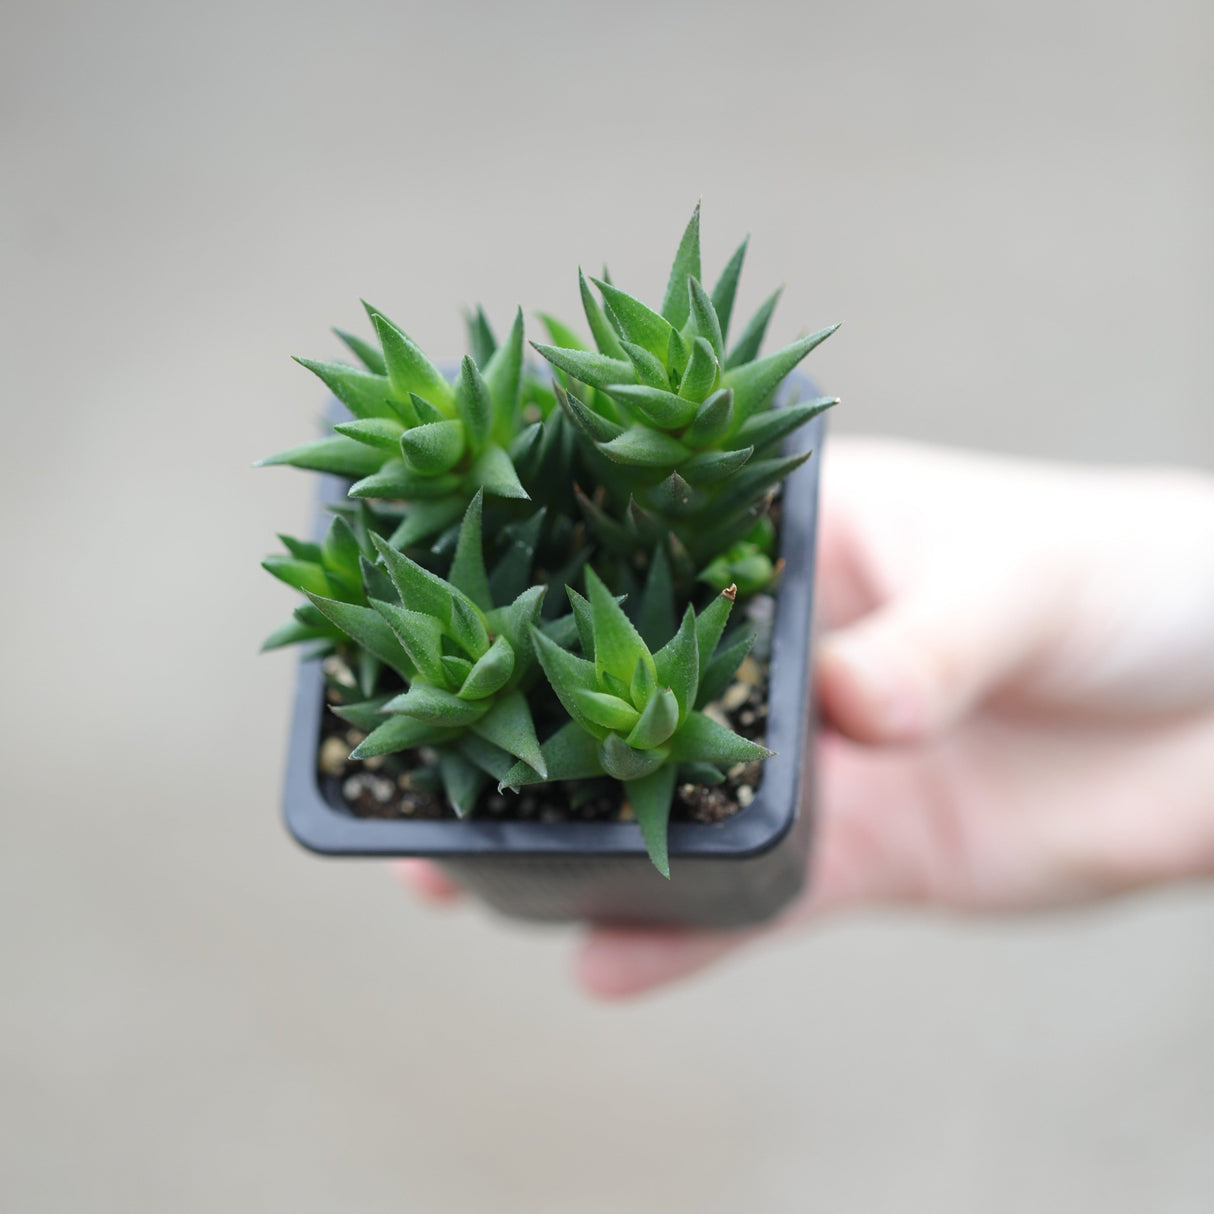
(1009, 206)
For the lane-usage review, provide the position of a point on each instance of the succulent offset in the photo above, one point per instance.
(644, 471)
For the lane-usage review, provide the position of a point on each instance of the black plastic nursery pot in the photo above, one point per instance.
(733, 873)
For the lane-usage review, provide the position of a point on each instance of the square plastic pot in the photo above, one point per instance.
(733, 873)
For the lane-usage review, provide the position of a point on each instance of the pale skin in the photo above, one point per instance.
(1015, 672)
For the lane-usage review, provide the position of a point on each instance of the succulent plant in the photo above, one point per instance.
(415, 437)
(686, 421)
(642, 465)
(634, 713)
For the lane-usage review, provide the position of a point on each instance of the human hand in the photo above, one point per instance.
(1016, 679)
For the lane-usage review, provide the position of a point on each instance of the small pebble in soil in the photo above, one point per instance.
(333, 755)
(736, 694)
(745, 795)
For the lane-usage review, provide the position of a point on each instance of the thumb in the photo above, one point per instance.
(916, 665)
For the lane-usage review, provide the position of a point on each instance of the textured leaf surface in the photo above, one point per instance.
(508, 724)
(650, 798)
(686, 265)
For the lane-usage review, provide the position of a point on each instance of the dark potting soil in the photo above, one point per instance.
(405, 785)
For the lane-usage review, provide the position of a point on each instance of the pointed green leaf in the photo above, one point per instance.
(678, 664)
(710, 623)
(655, 617)
(490, 674)
(709, 467)
(712, 420)
(643, 447)
(409, 370)
(617, 644)
(622, 762)
(468, 565)
(700, 378)
(597, 370)
(570, 754)
(481, 342)
(366, 715)
(726, 290)
(508, 724)
(368, 628)
(567, 674)
(398, 733)
(584, 620)
(300, 575)
(686, 265)
(492, 760)
(606, 710)
(382, 432)
(365, 394)
(425, 519)
(759, 475)
(291, 633)
(702, 740)
(677, 354)
(754, 383)
(640, 324)
(658, 721)
(768, 427)
(604, 335)
(370, 356)
(301, 550)
(504, 376)
(644, 683)
(593, 425)
(494, 472)
(421, 636)
(515, 623)
(467, 626)
(420, 589)
(425, 412)
(512, 573)
(435, 448)
(724, 665)
(474, 404)
(436, 707)
(663, 409)
(705, 316)
(746, 349)
(456, 669)
(650, 798)
(462, 780)
(650, 369)
(338, 455)
(559, 333)
(396, 480)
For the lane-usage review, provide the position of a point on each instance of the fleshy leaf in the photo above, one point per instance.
(686, 265)
(338, 455)
(593, 425)
(567, 674)
(640, 324)
(559, 333)
(658, 721)
(419, 588)
(678, 664)
(409, 370)
(702, 740)
(364, 393)
(468, 564)
(604, 334)
(710, 624)
(712, 420)
(436, 707)
(597, 370)
(705, 316)
(370, 356)
(300, 575)
(711, 466)
(422, 638)
(606, 710)
(494, 472)
(474, 404)
(747, 347)
(425, 519)
(771, 425)
(623, 762)
(368, 628)
(398, 733)
(462, 780)
(382, 432)
(655, 617)
(434, 448)
(643, 447)
(650, 370)
(508, 724)
(617, 644)
(754, 383)
(481, 341)
(721, 668)
(491, 673)
(650, 798)
(468, 627)
(504, 376)
(724, 293)
(570, 754)
(700, 377)
(662, 408)
(644, 682)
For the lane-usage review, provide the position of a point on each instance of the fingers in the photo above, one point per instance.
(917, 665)
(427, 881)
(618, 962)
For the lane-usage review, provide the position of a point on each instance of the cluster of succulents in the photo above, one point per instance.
(640, 467)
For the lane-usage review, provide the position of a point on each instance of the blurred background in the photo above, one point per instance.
(1009, 207)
